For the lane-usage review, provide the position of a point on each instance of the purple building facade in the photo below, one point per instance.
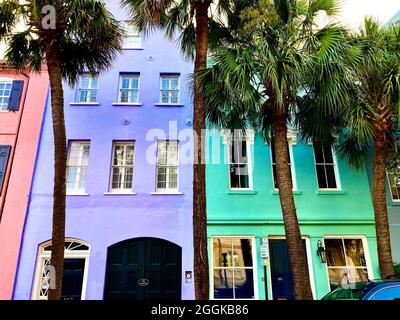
(129, 215)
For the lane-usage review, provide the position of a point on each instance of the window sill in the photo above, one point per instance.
(116, 193)
(4, 111)
(127, 104)
(84, 103)
(168, 104)
(330, 192)
(242, 192)
(78, 194)
(394, 203)
(296, 192)
(160, 193)
(127, 48)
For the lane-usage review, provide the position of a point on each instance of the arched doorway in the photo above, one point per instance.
(143, 269)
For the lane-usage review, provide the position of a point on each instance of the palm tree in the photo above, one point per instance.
(84, 36)
(267, 64)
(192, 19)
(375, 118)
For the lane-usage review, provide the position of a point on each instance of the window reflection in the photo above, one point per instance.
(233, 268)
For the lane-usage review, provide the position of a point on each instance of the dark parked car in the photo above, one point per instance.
(387, 289)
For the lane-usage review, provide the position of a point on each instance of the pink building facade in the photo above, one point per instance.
(22, 102)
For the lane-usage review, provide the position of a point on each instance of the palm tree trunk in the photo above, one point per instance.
(297, 259)
(199, 171)
(380, 205)
(60, 162)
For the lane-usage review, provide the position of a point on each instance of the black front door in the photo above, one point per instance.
(73, 279)
(143, 268)
(281, 277)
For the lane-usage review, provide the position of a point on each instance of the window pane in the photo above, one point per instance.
(328, 155)
(354, 252)
(322, 183)
(222, 249)
(394, 184)
(242, 253)
(337, 277)
(334, 252)
(223, 283)
(244, 284)
(319, 156)
(330, 175)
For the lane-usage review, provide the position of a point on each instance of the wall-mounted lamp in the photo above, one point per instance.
(321, 252)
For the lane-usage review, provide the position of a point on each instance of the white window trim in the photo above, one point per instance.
(226, 140)
(126, 75)
(95, 75)
(335, 169)
(255, 265)
(45, 255)
(178, 76)
(118, 190)
(390, 189)
(168, 191)
(249, 166)
(309, 263)
(366, 252)
(291, 143)
(128, 34)
(6, 80)
(75, 192)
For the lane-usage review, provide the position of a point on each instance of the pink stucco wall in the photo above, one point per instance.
(24, 142)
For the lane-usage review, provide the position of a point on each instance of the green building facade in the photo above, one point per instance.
(247, 251)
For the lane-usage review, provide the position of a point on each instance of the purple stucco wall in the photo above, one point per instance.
(99, 219)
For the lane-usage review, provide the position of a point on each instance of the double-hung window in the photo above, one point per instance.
(5, 92)
(233, 268)
(239, 172)
(122, 166)
(132, 36)
(291, 166)
(169, 87)
(346, 261)
(87, 88)
(326, 168)
(129, 88)
(77, 164)
(167, 166)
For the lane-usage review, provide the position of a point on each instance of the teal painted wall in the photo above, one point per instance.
(257, 213)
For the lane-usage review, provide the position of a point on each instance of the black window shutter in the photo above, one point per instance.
(15, 97)
(4, 153)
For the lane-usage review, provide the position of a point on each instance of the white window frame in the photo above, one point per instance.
(170, 76)
(127, 75)
(6, 81)
(77, 191)
(249, 164)
(131, 32)
(119, 190)
(160, 190)
(390, 189)
(291, 143)
(85, 74)
(255, 266)
(335, 169)
(309, 264)
(366, 253)
(42, 256)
